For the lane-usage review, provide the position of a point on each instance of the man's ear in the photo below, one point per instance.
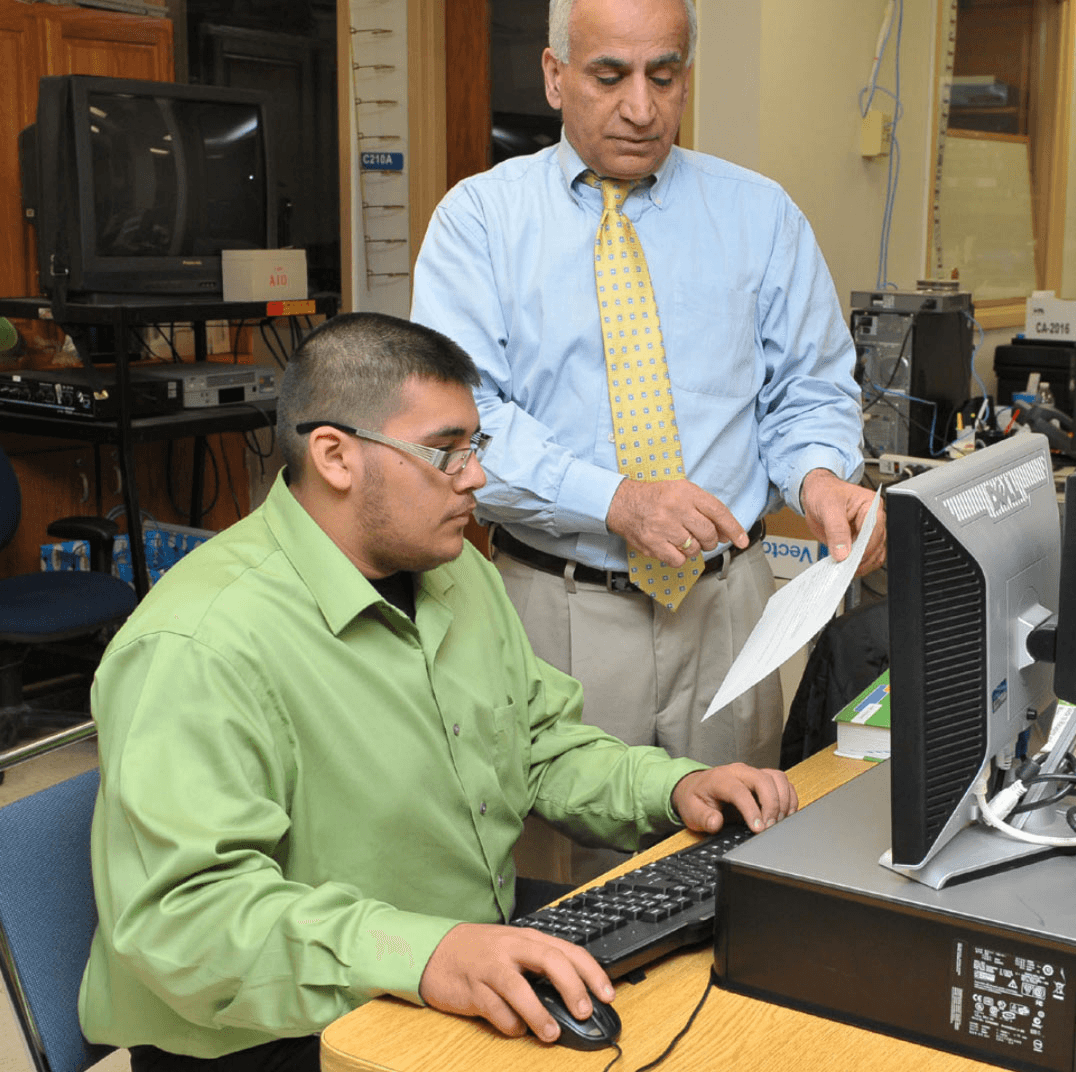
(551, 74)
(329, 453)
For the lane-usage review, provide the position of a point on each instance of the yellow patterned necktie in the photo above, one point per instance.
(640, 394)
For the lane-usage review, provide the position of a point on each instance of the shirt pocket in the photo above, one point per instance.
(509, 749)
(716, 353)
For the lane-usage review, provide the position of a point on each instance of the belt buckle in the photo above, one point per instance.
(619, 582)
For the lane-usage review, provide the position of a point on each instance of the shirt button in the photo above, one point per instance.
(482, 808)
(500, 881)
(456, 729)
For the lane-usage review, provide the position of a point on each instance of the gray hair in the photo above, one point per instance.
(351, 370)
(560, 16)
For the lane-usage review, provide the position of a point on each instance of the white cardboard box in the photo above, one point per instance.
(263, 274)
(1049, 317)
(789, 556)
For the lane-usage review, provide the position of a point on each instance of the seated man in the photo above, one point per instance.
(321, 732)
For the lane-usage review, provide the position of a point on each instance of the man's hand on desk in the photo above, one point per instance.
(477, 970)
(762, 797)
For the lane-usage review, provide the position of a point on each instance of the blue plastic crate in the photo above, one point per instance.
(165, 545)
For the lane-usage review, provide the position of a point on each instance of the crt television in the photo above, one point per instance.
(982, 637)
(135, 187)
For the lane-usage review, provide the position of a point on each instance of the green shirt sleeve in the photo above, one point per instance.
(591, 785)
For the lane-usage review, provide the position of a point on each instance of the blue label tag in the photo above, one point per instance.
(382, 161)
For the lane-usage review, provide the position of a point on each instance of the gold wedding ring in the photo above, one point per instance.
(686, 545)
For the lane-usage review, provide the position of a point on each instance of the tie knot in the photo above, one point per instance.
(614, 191)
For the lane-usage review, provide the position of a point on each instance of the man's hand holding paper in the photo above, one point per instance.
(796, 612)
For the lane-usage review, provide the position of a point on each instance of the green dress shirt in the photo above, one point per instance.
(302, 790)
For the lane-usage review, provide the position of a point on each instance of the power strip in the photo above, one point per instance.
(905, 465)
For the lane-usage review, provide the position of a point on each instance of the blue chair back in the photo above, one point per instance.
(10, 500)
(48, 916)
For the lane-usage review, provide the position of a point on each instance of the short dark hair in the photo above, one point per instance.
(351, 369)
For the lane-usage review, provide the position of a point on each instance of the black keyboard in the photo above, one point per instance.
(635, 918)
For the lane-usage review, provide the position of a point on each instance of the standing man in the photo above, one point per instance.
(320, 733)
(664, 360)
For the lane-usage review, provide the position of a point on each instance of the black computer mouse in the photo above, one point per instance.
(601, 1028)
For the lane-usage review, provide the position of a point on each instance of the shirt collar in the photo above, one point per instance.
(573, 168)
(339, 589)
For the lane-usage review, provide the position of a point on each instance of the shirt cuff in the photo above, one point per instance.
(400, 946)
(584, 497)
(818, 457)
(662, 787)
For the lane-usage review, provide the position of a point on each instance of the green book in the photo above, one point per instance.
(863, 725)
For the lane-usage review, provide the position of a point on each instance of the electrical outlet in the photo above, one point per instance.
(218, 337)
(876, 133)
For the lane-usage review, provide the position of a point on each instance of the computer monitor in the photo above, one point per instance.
(975, 554)
(135, 187)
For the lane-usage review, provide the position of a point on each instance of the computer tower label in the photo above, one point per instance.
(1007, 1000)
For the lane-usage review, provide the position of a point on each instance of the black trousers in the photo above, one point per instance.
(302, 1054)
(281, 1055)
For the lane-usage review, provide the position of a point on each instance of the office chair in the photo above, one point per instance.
(47, 918)
(51, 623)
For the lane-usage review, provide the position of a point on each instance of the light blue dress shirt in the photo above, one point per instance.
(759, 355)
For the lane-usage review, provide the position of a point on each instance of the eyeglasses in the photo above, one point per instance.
(449, 462)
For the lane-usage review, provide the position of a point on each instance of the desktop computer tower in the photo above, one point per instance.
(985, 967)
(913, 363)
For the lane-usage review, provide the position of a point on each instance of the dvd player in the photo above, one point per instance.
(90, 393)
(214, 383)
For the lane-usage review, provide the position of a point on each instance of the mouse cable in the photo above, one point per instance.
(619, 1054)
(679, 1035)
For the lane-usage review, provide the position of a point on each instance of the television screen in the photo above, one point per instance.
(151, 198)
(136, 187)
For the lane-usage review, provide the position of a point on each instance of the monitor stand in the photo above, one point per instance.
(980, 847)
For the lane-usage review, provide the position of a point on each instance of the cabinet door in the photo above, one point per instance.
(84, 41)
(55, 482)
(21, 56)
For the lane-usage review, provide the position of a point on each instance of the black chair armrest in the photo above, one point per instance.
(99, 532)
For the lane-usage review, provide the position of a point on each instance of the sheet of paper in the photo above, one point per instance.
(794, 614)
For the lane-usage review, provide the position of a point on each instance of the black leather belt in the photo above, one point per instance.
(614, 580)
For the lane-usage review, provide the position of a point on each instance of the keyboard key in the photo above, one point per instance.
(646, 913)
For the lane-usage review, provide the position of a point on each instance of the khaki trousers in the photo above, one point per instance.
(648, 676)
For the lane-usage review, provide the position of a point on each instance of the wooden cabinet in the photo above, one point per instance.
(22, 57)
(38, 40)
(43, 39)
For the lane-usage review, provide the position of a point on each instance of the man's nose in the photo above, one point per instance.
(637, 101)
(472, 476)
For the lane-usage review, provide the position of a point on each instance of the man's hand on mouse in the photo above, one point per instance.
(478, 970)
(762, 797)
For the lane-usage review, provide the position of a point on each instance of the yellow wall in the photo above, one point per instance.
(776, 90)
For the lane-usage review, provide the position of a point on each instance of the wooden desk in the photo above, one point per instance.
(731, 1032)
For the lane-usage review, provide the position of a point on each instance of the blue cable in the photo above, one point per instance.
(913, 398)
(974, 353)
(893, 175)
